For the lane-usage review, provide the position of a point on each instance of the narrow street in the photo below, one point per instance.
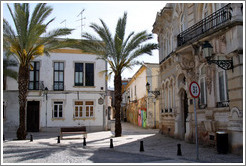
(126, 149)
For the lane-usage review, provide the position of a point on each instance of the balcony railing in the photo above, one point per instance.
(210, 22)
(222, 104)
(35, 85)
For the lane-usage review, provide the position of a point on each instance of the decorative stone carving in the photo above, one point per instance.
(188, 66)
(235, 120)
(235, 113)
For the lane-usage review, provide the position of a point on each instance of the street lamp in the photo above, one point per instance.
(46, 91)
(156, 93)
(207, 50)
(133, 101)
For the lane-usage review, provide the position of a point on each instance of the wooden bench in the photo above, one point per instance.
(73, 130)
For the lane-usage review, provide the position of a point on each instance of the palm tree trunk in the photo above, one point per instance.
(23, 80)
(118, 99)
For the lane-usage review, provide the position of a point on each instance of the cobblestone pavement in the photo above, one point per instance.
(126, 149)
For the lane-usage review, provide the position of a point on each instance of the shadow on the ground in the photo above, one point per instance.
(157, 148)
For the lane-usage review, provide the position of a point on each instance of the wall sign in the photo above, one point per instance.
(100, 101)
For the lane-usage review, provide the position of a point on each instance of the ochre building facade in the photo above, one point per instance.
(183, 29)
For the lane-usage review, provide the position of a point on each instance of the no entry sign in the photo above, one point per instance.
(194, 89)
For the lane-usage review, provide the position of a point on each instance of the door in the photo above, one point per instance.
(33, 116)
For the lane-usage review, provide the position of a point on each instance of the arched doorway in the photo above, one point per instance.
(184, 111)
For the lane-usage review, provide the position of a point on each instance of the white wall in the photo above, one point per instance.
(68, 96)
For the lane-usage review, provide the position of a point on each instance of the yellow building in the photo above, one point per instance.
(201, 42)
(142, 106)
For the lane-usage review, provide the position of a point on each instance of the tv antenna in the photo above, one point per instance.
(65, 23)
(81, 20)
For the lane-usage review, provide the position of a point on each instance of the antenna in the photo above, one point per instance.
(65, 24)
(81, 19)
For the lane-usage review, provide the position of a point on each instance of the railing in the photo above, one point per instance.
(58, 85)
(222, 104)
(166, 57)
(35, 85)
(201, 105)
(210, 22)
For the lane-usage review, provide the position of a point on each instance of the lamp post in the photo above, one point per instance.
(46, 97)
(156, 93)
(207, 50)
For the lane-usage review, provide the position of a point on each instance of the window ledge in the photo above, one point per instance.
(58, 119)
(202, 106)
(77, 86)
(89, 118)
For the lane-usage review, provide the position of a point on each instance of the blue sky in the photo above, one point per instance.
(141, 16)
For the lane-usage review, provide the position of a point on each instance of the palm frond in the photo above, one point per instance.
(30, 32)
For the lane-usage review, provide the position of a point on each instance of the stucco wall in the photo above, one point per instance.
(70, 94)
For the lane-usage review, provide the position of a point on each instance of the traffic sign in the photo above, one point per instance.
(195, 92)
(194, 89)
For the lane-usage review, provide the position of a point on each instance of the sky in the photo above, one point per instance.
(140, 16)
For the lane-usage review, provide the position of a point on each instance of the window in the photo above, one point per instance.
(166, 98)
(84, 78)
(78, 109)
(78, 74)
(203, 95)
(169, 99)
(34, 76)
(89, 107)
(58, 109)
(83, 109)
(89, 74)
(58, 76)
(222, 86)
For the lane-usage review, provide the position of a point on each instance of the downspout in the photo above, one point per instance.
(105, 100)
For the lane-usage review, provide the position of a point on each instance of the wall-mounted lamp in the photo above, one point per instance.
(46, 91)
(133, 101)
(156, 93)
(207, 50)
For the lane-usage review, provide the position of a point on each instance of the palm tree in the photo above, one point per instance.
(119, 52)
(28, 41)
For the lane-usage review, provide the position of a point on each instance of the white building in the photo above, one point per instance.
(67, 88)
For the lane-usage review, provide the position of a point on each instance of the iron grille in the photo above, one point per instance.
(210, 22)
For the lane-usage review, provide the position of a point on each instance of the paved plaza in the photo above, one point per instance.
(126, 149)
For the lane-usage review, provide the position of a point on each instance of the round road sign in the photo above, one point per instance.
(194, 89)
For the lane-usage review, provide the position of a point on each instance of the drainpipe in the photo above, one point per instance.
(154, 100)
(105, 100)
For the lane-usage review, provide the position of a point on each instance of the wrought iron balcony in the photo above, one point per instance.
(210, 22)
